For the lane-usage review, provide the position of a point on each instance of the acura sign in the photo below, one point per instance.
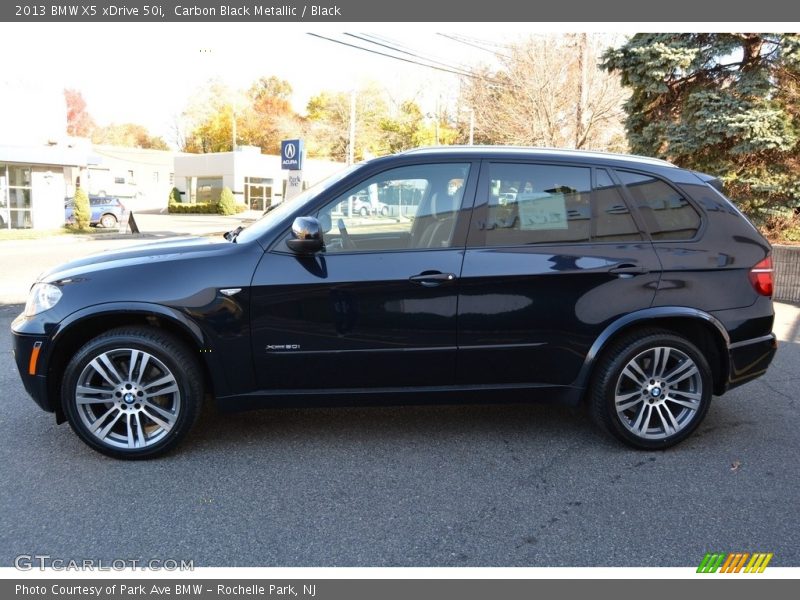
(292, 155)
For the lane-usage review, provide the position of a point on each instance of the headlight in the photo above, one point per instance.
(42, 297)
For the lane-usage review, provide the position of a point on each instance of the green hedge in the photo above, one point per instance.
(200, 208)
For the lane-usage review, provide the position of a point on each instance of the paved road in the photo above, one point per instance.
(422, 486)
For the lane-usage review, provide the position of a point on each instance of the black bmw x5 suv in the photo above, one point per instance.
(622, 282)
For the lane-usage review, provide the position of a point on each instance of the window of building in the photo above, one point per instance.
(404, 208)
(15, 197)
(258, 193)
(119, 180)
(668, 215)
(209, 189)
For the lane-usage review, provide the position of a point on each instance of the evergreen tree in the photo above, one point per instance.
(227, 203)
(723, 103)
(81, 211)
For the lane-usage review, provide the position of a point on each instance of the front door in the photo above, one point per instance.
(377, 308)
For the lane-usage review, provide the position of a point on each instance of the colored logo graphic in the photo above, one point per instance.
(735, 562)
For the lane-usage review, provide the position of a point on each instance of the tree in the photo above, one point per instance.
(130, 135)
(263, 117)
(227, 202)
(546, 91)
(269, 117)
(79, 122)
(81, 211)
(725, 103)
(328, 124)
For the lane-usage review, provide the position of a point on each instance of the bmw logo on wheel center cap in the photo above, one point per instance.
(655, 392)
(128, 398)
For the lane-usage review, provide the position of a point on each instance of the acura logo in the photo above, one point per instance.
(290, 151)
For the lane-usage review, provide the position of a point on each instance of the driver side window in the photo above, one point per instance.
(404, 208)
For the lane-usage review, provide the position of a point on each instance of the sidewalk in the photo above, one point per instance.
(165, 225)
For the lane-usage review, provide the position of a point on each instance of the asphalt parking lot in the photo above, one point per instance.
(523, 485)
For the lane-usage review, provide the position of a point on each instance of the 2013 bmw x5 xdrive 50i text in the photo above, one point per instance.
(497, 273)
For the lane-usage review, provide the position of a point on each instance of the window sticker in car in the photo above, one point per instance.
(539, 210)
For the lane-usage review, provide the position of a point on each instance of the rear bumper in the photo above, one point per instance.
(749, 359)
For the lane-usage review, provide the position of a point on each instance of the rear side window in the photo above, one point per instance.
(613, 220)
(550, 204)
(535, 204)
(668, 215)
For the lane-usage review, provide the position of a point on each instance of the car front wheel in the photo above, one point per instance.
(651, 389)
(132, 393)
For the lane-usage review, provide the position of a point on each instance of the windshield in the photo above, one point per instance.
(286, 207)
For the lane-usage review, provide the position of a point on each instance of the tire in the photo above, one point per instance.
(108, 221)
(363, 211)
(106, 401)
(385, 211)
(651, 389)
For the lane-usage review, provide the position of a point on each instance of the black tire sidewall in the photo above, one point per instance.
(171, 353)
(611, 369)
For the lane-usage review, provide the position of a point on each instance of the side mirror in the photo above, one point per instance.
(307, 233)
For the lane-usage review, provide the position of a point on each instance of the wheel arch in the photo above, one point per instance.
(700, 328)
(82, 326)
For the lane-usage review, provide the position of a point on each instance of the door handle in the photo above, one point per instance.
(628, 269)
(432, 278)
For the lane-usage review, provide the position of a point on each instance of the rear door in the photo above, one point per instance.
(553, 256)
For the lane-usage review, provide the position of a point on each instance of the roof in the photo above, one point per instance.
(563, 153)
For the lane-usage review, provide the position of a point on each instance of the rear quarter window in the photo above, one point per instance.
(666, 212)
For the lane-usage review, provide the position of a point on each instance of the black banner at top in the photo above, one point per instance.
(342, 11)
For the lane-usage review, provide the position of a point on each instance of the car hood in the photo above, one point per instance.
(170, 249)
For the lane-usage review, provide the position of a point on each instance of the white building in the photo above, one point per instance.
(256, 180)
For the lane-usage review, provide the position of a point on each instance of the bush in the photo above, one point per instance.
(201, 208)
(227, 202)
(81, 211)
(175, 196)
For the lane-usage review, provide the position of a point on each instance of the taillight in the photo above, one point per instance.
(761, 277)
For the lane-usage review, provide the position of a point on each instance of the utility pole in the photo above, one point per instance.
(580, 111)
(351, 146)
(233, 128)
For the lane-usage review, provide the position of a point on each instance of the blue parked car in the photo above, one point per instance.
(106, 211)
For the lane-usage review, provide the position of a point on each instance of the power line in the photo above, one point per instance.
(398, 47)
(407, 60)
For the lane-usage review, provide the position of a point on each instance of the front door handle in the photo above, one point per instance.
(629, 269)
(432, 278)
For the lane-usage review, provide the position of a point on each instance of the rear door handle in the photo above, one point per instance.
(432, 278)
(629, 269)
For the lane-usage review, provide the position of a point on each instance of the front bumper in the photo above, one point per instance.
(749, 359)
(33, 371)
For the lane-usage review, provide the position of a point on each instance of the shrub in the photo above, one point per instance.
(81, 211)
(227, 202)
(201, 208)
(175, 195)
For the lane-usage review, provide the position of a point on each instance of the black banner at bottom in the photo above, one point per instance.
(385, 589)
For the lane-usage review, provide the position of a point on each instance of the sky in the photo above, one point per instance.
(146, 74)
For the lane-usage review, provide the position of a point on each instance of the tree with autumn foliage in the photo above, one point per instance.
(724, 103)
(79, 121)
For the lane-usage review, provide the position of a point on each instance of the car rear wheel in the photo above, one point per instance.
(108, 221)
(132, 393)
(651, 389)
(363, 211)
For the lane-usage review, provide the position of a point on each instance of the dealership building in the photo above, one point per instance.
(36, 179)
